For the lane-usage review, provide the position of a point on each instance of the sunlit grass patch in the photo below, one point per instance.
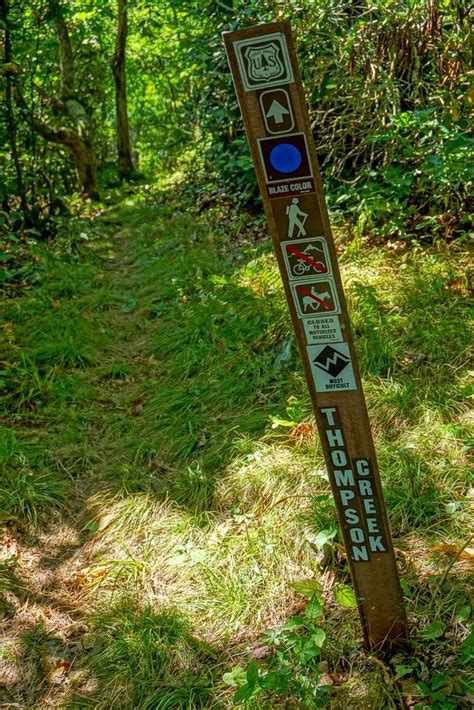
(147, 659)
(220, 565)
(27, 493)
(168, 386)
(28, 488)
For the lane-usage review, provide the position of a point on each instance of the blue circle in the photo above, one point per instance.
(285, 158)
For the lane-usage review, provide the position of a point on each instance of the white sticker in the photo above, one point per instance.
(322, 330)
(306, 257)
(264, 61)
(331, 367)
(315, 297)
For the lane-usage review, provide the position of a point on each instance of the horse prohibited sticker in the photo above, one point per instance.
(306, 257)
(277, 111)
(315, 298)
(331, 367)
(322, 330)
(264, 61)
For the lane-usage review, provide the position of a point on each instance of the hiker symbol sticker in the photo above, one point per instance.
(331, 367)
(315, 298)
(306, 257)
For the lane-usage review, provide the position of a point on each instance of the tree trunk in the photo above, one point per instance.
(10, 118)
(118, 64)
(86, 168)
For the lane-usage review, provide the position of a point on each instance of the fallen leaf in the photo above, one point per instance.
(466, 554)
(326, 680)
(260, 652)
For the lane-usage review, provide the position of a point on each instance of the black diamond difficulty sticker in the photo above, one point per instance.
(331, 367)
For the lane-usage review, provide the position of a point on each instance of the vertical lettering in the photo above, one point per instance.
(360, 553)
(335, 437)
(372, 525)
(369, 505)
(339, 457)
(352, 517)
(365, 488)
(329, 413)
(376, 544)
(344, 478)
(357, 535)
(346, 496)
(362, 467)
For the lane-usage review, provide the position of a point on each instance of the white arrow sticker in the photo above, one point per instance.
(277, 112)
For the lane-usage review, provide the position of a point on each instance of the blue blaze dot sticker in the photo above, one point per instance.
(285, 158)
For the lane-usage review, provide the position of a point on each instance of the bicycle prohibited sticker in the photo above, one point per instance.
(325, 329)
(306, 257)
(331, 367)
(315, 298)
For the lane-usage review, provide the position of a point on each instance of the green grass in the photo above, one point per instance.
(143, 374)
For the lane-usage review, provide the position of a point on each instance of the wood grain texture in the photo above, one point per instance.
(344, 427)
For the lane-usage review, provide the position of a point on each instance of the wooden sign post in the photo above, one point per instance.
(265, 72)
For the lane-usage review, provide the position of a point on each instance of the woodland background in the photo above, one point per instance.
(168, 538)
(389, 86)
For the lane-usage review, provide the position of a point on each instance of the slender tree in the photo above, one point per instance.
(78, 135)
(9, 69)
(118, 64)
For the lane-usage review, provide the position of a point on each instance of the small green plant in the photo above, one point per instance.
(290, 668)
(27, 493)
(27, 384)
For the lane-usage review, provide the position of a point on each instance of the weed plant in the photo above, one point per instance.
(156, 398)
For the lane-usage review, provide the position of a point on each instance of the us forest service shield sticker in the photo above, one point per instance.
(264, 61)
(331, 367)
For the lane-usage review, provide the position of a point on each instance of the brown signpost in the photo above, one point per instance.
(265, 72)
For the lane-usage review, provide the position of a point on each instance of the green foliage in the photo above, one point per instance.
(154, 660)
(196, 513)
(290, 666)
(388, 88)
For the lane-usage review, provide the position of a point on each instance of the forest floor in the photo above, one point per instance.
(163, 495)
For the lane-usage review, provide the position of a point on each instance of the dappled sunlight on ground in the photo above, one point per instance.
(172, 484)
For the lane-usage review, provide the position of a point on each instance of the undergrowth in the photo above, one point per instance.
(156, 402)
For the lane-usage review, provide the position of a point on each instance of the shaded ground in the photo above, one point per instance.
(153, 517)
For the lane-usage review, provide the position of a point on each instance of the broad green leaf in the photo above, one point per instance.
(243, 693)
(252, 673)
(314, 608)
(467, 649)
(307, 587)
(234, 677)
(325, 536)
(345, 595)
(401, 671)
(318, 638)
(293, 622)
(434, 630)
